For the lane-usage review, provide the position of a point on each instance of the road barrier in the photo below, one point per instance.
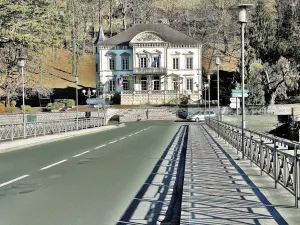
(34, 129)
(277, 157)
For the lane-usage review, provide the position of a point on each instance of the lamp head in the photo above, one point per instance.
(94, 91)
(218, 61)
(21, 61)
(243, 12)
(83, 91)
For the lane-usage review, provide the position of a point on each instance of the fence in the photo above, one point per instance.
(277, 157)
(34, 129)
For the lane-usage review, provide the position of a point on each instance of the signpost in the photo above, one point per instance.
(235, 101)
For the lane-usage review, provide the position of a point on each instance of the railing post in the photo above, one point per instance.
(44, 127)
(275, 162)
(35, 129)
(261, 156)
(12, 132)
(251, 150)
(296, 176)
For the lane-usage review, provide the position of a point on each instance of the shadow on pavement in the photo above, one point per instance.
(156, 197)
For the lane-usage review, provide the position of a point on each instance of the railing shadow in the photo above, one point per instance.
(153, 199)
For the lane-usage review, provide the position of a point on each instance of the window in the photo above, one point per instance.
(176, 84)
(112, 63)
(97, 70)
(144, 83)
(125, 84)
(143, 62)
(189, 84)
(189, 63)
(156, 65)
(125, 63)
(156, 84)
(175, 63)
(112, 85)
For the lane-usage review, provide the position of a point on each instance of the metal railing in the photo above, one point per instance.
(277, 157)
(34, 129)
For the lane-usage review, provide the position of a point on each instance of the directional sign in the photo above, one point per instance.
(234, 105)
(238, 95)
(95, 101)
(239, 91)
(234, 100)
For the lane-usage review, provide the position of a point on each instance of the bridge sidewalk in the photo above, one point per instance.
(221, 190)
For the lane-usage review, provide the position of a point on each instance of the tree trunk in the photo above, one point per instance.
(7, 100)
(110, 19)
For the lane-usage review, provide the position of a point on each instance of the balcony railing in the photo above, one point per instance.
(152, 70)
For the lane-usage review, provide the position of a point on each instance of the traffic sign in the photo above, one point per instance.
(234, 105)
(238, 95)
(239, 91)
(95, 101)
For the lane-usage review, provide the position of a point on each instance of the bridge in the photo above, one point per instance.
(159, 172)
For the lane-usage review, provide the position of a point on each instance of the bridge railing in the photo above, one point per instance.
(34, 129)
(277, 157)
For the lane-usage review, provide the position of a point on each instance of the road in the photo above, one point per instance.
(90, 179)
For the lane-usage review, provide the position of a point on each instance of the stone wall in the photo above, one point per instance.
(151, 97)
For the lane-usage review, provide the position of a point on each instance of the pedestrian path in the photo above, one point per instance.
(217, 191)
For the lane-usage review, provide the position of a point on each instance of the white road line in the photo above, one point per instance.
(14, 180)
(54, 164)
(122, 138)
(113, 142)
(136, 132)
(101, 146)
(130, 135)
(81, 154)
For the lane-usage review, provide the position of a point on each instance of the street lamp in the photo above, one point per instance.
(21, 64)
(208, 78)
(76, 80)
(243, 21)
(205, 88)
(89, 93)
(218, 88)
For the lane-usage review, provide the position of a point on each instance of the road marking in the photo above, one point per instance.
(113, 142)
(136, 132)
(100, 146)
(14, 180)
(122, 138)
(81, 154)
(54, 164)
(130, 135)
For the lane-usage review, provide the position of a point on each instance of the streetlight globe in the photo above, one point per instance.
(94, 91)
(83, 91)
(21, 61)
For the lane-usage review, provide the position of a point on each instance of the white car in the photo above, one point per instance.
(199, 116)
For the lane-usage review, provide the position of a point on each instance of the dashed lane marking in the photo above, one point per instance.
(81, 154)
(54, 164)
(101, 146)
(14, 180)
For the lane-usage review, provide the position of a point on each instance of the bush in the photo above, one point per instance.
(13, 103)
(11, 109)
(2, 108)
(27, 108)
(70, 102)
(57, 105)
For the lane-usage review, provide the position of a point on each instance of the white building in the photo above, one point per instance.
(149, 63)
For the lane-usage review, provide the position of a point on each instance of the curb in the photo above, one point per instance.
(59, 138)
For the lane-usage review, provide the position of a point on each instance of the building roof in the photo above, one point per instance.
(169, 34)
(100, 37)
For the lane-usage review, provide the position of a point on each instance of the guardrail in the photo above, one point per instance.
(34, 129)
(277, 157)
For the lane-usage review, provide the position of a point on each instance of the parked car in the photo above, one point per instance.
(200, 116)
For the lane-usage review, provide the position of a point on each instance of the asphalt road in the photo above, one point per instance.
(84, 180)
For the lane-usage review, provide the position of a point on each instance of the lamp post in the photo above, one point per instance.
(89, 93)
(205, 88)
(218, 89)
(208, 78)
(76, 79)
(243, 21)
(22, 65)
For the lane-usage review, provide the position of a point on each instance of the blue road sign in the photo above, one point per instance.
(239, 91)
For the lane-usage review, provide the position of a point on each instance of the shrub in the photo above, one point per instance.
(11, 109)
(27, 108)
(13, 103)
(70, 102)
(2, 108)
(57, 105)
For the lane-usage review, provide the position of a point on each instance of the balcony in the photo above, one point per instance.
(152, 70)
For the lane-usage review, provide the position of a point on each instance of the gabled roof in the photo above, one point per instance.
(169, 34)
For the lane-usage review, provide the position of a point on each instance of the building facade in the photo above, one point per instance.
(149, 63)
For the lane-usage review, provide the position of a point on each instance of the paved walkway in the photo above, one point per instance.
(219, 190)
